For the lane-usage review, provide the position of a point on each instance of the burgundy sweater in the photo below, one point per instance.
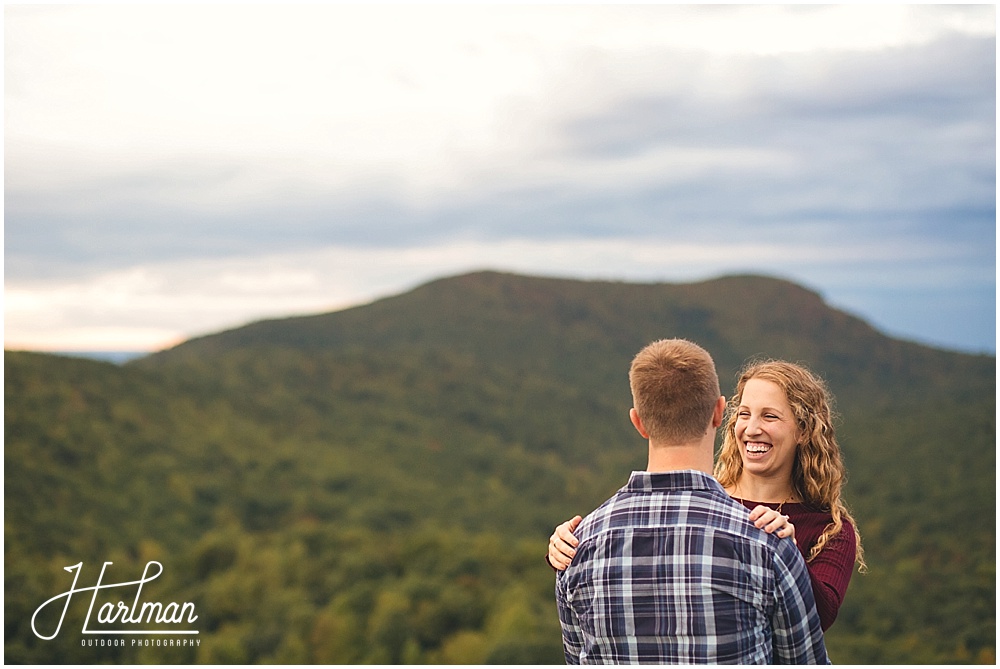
(831, 570)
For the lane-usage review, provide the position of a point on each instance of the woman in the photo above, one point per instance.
(780, 459)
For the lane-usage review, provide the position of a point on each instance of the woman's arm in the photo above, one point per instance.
(830, 573)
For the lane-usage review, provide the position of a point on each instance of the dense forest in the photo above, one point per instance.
(377, 485)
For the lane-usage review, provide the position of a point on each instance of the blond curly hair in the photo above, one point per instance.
(818, 471)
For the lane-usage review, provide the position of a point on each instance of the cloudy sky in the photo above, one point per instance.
(176, 170)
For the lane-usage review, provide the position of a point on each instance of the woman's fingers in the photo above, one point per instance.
(772, 522)
(762, 515)
(562, 544)
(777, 526)
(557, 559)
(565, 533)
(560, 553)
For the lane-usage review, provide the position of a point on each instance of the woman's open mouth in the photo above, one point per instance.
(757, 448)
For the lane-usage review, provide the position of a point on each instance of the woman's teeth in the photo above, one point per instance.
(757, 447)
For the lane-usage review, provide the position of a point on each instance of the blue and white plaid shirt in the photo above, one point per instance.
(671, 570)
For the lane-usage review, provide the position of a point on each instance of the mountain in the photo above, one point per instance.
(378, 484)
(558, 323)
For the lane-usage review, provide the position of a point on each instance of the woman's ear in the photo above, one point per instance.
(637, 422)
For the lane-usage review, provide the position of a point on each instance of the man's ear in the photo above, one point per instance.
(720, 411)
(637, 422)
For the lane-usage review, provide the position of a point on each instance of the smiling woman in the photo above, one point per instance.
(780, 451)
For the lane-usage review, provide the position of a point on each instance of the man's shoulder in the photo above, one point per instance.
(705, 505)
(597, 519)
(786, 552)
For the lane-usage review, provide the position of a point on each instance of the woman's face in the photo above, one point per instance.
(766, 430)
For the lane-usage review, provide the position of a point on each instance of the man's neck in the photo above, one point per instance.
(675, 457)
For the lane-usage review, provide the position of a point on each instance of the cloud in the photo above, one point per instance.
(190, 140)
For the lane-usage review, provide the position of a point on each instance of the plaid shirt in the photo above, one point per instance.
(671, 570)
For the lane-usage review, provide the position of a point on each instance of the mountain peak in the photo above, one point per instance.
(566, 324)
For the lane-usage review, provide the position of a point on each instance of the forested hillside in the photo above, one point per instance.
(378, 484)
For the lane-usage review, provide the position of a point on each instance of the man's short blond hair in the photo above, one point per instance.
(675, 389)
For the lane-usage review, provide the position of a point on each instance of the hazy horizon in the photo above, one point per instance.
(120, 356)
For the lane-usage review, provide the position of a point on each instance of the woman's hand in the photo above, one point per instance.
(562, 544)
(764, 518)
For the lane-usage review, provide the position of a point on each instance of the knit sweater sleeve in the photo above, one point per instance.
(830, 573)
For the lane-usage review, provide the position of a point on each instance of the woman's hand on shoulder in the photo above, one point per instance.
(771, 521)
(562, 544)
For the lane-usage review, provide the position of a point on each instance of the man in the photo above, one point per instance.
(670, 569)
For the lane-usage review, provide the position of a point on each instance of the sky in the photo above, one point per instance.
(176, 170)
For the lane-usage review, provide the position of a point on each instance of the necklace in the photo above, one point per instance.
(780, 504)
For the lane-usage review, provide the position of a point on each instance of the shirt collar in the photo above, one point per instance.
(685, 479)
